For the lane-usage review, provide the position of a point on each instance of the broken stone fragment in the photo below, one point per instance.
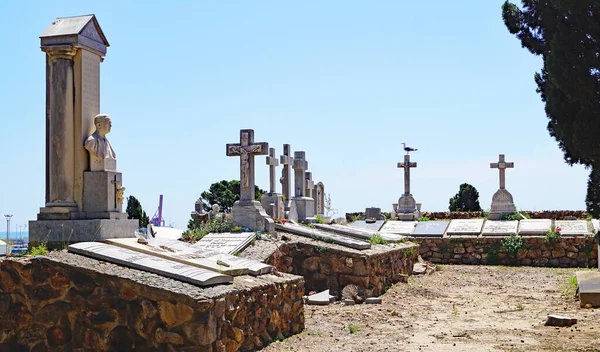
(557, 320)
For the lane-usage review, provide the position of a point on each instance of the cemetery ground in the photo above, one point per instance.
(457, 308)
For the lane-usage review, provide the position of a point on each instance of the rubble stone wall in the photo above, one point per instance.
(328, 268)
(71, 303)
(446, 215)
(567, 252)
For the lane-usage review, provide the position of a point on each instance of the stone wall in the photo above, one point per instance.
(536, 251)
(66, 302)
(446, 215)
(330, 267)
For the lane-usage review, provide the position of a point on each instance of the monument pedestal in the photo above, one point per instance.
(103, 195)
(290, 211)
(407, 208)
(60, 232)
(273, 205)
(251, 214)
(305, 208)
(502, 203)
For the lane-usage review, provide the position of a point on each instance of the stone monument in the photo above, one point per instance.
(502, 200)
(84, 194)
(199, 215)
(319, 197)
(407, 206)
(309, 185)
(272, 202)
(286, 160)
(304, 205)
(248, 212)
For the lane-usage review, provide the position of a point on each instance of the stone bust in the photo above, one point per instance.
(102, 155)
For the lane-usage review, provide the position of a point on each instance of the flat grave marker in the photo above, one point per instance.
(359, 233)
(573, 227)
(399, 227)
(306, 231)
(500, 227)
(465, 227)
(226, 242)
(149, 263)
(430, 229)
(363, 225)
(534, 227)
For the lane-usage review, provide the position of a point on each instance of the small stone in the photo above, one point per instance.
(373, 300)
(349, 302)
(419, 268)
(557, 320)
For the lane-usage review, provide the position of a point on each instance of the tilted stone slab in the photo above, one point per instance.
(226, 242)
(430, 229)
(185, 250)
(323, 236)
(500, 227)
(184, 255)
(573, 228)
(359, 233)
(399, 227)
(369, 226)
(589, 287)
(534, 227)
(465, 227)
(149, 263)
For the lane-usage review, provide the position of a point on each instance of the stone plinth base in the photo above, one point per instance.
(502, 203)
(251, 215)
(58, 232)
(100, 190)
(59, 212)
(83, 304)
(290, 211)
(408, 216)
(305, 207)
(273, 205)
(406, 204)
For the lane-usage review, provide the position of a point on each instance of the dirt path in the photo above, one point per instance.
(457, 308)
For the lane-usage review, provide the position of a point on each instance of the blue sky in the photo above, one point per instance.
(345, 81)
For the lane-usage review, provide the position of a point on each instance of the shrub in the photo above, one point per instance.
(553, 235)
(467, 199)
(214, 225)
(513, 244)
(377, 239)
(319, 219)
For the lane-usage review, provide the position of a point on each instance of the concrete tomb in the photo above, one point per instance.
(84, 192)
(500, 227)
(248, 212)
(573, 228)
(272, 202)
(502, 200)
(287, 161)
(534, 227)
(304, 205)
(465, 227)
(399, 227)
(150, 263)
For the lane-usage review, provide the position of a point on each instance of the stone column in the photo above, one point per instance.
(300, 166)
(60, 157)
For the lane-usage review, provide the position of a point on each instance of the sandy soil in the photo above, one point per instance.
(457, 308)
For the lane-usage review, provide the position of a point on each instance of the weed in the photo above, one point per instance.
(513, 244)
(357, 218)
(377, 239)
(352, 328)
(214, 225)
(410, 251)
(40, 249)
(311, 225)
(553, 236)
(321, 249)
(319, 219)
(423, 218)
(237, 229)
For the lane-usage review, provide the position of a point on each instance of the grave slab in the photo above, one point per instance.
(164, 232)
(430, 229)
(358, 233)
(589, 288)
(321, 298)
(534, 227)
(226, 242)
(399, 227)
(149, 263)
(465, 227)
(500, 227)
(363, 225)
(573, 227)
(323, 236)
(183, 254)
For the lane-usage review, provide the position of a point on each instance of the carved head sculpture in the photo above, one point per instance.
(103, 124)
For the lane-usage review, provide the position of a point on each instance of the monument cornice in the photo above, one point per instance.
(60, 51)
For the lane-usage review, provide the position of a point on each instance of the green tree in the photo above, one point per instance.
(467, 199)
(566, 35)
(225, 193)
(134, 211)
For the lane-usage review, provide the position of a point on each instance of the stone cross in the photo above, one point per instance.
(300, 166)
(309, 184)
(286, 160)
(273, 163)
(406, 166)
(502, 165)
(246, 150)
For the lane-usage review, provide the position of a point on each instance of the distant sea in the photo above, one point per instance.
(15, 236)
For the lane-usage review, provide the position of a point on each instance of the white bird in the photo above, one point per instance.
(408, 149)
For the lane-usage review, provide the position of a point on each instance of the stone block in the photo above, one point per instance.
(251, 215)
(305, 207)
(57, 232)
(273, 205)
(100, 192)
(589, 288)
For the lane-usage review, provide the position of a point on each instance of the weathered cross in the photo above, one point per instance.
(247, 149)
(406, 166)
(300, 166)
(502, 165)
(273, 163)
(309, 184)
(286, 160)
